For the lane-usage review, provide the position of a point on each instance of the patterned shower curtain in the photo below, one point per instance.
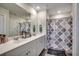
(59, 34)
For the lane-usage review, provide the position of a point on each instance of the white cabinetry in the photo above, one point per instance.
(40, 45)
(32, 48)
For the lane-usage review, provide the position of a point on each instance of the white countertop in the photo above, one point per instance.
(12, 44)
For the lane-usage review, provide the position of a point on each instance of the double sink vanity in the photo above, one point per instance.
(31, 46)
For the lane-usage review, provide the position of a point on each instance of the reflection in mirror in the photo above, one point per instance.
(18, 25)
(24, 29)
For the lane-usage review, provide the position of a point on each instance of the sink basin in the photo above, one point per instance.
(18, 39)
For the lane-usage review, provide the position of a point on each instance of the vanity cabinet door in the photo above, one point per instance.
(36, 46)
(42, 42)
(25, 53)
(33, 48)
(22, 50)
(40, 45)
(38, 50)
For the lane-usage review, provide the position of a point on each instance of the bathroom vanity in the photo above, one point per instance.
(24, 47)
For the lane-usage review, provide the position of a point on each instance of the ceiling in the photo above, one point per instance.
(14, 9)
(53, 7)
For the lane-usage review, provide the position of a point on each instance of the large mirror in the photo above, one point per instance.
(19, 18)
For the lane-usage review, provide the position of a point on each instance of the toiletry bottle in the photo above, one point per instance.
(40, 28)
(34, 29)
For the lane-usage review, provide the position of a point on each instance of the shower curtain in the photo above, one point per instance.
(59, 35)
